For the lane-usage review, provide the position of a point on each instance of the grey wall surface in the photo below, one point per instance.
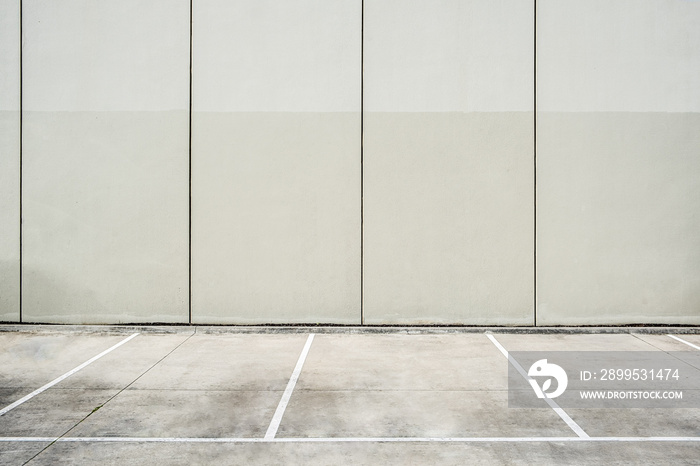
(618, 159)
(276, 161)
(448, 162)
(350, 161)
(105, 161)
(9, 160)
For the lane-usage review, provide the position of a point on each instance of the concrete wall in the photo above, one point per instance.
(9, 160)
(618, 161)
(276, 161)
(448, 162)
(341, 161)
(105, 161)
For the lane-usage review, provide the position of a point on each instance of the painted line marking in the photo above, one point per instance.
(64, 376)
(277, 418)
(686, 342)
(345, 439)
(552, 404)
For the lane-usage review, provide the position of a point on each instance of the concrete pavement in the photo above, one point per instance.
(202, 395)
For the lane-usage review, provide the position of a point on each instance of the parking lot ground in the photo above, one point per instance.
(200, 395)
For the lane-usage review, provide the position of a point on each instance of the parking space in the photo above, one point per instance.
(647, 422)
(210, 386)
(194, 396)
(443, 386)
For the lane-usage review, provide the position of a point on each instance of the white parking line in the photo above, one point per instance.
(686, 342)
(64, 376)
(345, 439)
(552, 404)
(277, 418)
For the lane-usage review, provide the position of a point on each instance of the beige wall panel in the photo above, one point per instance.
(618, 138)
(448, 218)
(105, 161)
(276, 161)
(448, 162)
(9, 160)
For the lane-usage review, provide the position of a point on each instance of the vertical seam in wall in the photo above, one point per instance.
(189, 207)
(21, 132)
(534, 157)
(362, 154)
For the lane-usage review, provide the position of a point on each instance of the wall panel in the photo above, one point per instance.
(105, 161)
(618, 138)
(276, 161)
(448, 162)
(9, 160)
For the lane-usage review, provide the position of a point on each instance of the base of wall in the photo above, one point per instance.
(329, 329)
